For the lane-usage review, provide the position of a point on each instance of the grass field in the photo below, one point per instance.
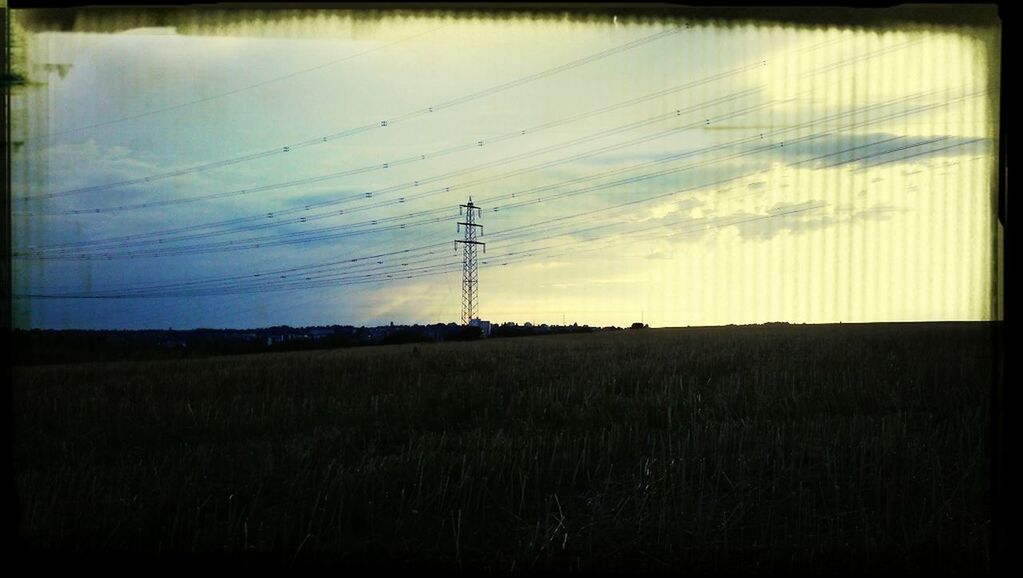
(809, 449)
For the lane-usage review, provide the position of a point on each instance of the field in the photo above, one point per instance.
(809, 449)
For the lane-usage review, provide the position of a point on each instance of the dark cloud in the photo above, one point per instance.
(801, 218)
(311, 199)
(833, 150)
(758, 226)
(638, 158)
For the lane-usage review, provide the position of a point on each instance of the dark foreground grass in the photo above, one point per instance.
(808, 449)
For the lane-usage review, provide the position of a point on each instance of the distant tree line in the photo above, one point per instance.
(42, 346)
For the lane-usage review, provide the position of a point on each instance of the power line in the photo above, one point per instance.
(303, 219)
(276, 215)
(363, 276)
(346, 279)
(385, 165)
(318, 234)
(365, 127)
(308, 207)
(475, 143)
(241, 89)
(330, 232)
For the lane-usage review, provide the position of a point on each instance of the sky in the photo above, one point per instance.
(309, 171)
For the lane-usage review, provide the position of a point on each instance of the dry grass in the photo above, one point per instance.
(848, 449)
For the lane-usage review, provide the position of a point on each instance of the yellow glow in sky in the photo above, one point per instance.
(715, 175)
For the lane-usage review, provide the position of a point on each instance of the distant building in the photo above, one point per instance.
(482, 324)
(320, 333)
(172, 344)
(277, 338)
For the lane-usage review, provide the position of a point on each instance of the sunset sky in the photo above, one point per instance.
(307, 170)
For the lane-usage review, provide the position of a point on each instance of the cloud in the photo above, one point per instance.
(664, 210)
(722, 185)
(804, 217)
(755, 227)
(611, 281)
(871, 149)
(630, 159)
(877, 213)
(751, 225)
(543, 265)
(401, 302)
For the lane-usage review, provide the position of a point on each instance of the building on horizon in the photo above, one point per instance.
(483, 324)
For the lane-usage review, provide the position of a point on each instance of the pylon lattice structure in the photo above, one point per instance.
(470, 273)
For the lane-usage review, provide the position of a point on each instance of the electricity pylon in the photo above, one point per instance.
(470, 275)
